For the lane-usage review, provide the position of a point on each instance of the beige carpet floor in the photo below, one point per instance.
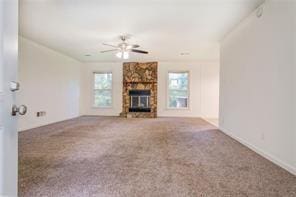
(164, 157)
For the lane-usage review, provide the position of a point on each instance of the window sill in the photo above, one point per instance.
(96, 107)
(174, 108)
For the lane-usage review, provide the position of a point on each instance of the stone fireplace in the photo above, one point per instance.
(139, 90)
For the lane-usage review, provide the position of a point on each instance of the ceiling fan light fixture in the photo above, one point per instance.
(124, 49)
(125, 55)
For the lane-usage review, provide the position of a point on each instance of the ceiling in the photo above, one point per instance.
(166, 28)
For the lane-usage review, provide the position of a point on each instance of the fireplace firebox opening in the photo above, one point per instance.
(139, 101)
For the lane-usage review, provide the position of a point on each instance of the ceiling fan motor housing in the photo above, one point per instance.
(124, 47)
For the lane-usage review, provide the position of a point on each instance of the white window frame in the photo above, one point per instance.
(168, 91)
(93, 90)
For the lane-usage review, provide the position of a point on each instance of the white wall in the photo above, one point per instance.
(210, 74)
(256, 87)
(204, 79)
(49, 82)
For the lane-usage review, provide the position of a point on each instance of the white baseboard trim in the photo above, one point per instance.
(212, 121)
(106, 115)
(261, 152)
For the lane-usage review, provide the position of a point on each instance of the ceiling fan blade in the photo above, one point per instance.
(132, 46)
(109, 50)
(139, 51)
(135, 46)
(110, 45)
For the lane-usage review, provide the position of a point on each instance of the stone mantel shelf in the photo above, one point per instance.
(139, 82)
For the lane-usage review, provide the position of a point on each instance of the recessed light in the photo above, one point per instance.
(185, 53)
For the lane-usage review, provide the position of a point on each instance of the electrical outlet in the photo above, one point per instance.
(40, 113)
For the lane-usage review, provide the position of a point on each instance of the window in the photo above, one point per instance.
(178, 90)
(103, 89)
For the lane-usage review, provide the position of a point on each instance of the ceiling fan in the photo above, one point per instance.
(123, 48)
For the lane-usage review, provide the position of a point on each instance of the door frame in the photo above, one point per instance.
(8, 73)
